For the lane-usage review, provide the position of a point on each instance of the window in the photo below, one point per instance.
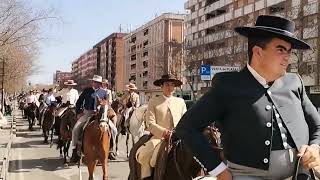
(145, 54)
(146, 32)
(133, 66)
(145, 64)
(145, 84)
(276, 8)
(133, 57)
(133, 48)
(145, 43)
(208, 2)
(145, 74)
(132, 77)
(133, 39)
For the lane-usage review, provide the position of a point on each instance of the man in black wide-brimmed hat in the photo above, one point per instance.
(266, 118)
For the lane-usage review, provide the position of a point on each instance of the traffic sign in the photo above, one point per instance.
(205, 72)
(217, 69)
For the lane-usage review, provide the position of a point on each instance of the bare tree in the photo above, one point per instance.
(19, 37)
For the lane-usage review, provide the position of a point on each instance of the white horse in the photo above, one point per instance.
(137, 121)
(134, 126)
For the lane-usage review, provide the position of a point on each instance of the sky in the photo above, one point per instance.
(83, 23)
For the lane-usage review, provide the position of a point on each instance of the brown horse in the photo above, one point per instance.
(175, 160)
(31, 114)
(68, 120)
(48, 123)
(96, 143)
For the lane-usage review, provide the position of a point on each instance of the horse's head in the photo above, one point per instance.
(70, 116)
(137, 125)
(117, 106)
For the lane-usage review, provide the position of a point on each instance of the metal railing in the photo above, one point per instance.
(6, 157)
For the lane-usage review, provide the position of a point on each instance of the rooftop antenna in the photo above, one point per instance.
(120, 28)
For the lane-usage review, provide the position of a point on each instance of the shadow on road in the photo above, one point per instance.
(45, 164)
(30, 144)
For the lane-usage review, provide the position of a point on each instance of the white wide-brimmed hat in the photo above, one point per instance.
(105, 81)
(131, 86)
(70, 83)
(96, 78)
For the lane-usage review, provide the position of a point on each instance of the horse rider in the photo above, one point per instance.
(31, 98)
(163, 114)
(69, 96)
(131, 100)
(105, 84)
(112, 123)
(50, 99)
(89, 101)
(264, 113)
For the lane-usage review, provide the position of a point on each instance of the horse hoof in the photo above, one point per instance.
(65, 165)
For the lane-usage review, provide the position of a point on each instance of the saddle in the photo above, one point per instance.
(81, 137)
(82, 130)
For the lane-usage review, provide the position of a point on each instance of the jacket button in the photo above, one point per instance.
(269, 124)
(277, 115)
(267, 142)
(283, 135)
(285, 145)
(268, 107)
(265, 160)
(280, 125)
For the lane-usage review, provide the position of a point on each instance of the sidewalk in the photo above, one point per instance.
(5, 138)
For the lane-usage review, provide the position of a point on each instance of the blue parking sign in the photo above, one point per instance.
(205, 72)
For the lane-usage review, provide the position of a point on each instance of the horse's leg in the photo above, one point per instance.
(67, 148)
(127, 144)
(91, 166)
(65, 151)
(29, 121)
(51, 141)
(117, 139)
(60, 145)
(105, 169)
(45, 136)
(132, 140)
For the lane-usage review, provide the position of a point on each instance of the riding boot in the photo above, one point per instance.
(75, 157)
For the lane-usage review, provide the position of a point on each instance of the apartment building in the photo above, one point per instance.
(153, 49)
(210, 38)
(110, 60)
(60, 77)
(84, 67)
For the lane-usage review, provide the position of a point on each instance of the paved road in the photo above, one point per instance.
(31, 159)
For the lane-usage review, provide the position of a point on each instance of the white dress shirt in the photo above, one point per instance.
(31, 99)
(71, 96)
(49, 99)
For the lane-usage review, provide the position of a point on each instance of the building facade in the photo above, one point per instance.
(154, 49)
(84, 68)
(210, 38)
(60, 77)
(110, 60)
